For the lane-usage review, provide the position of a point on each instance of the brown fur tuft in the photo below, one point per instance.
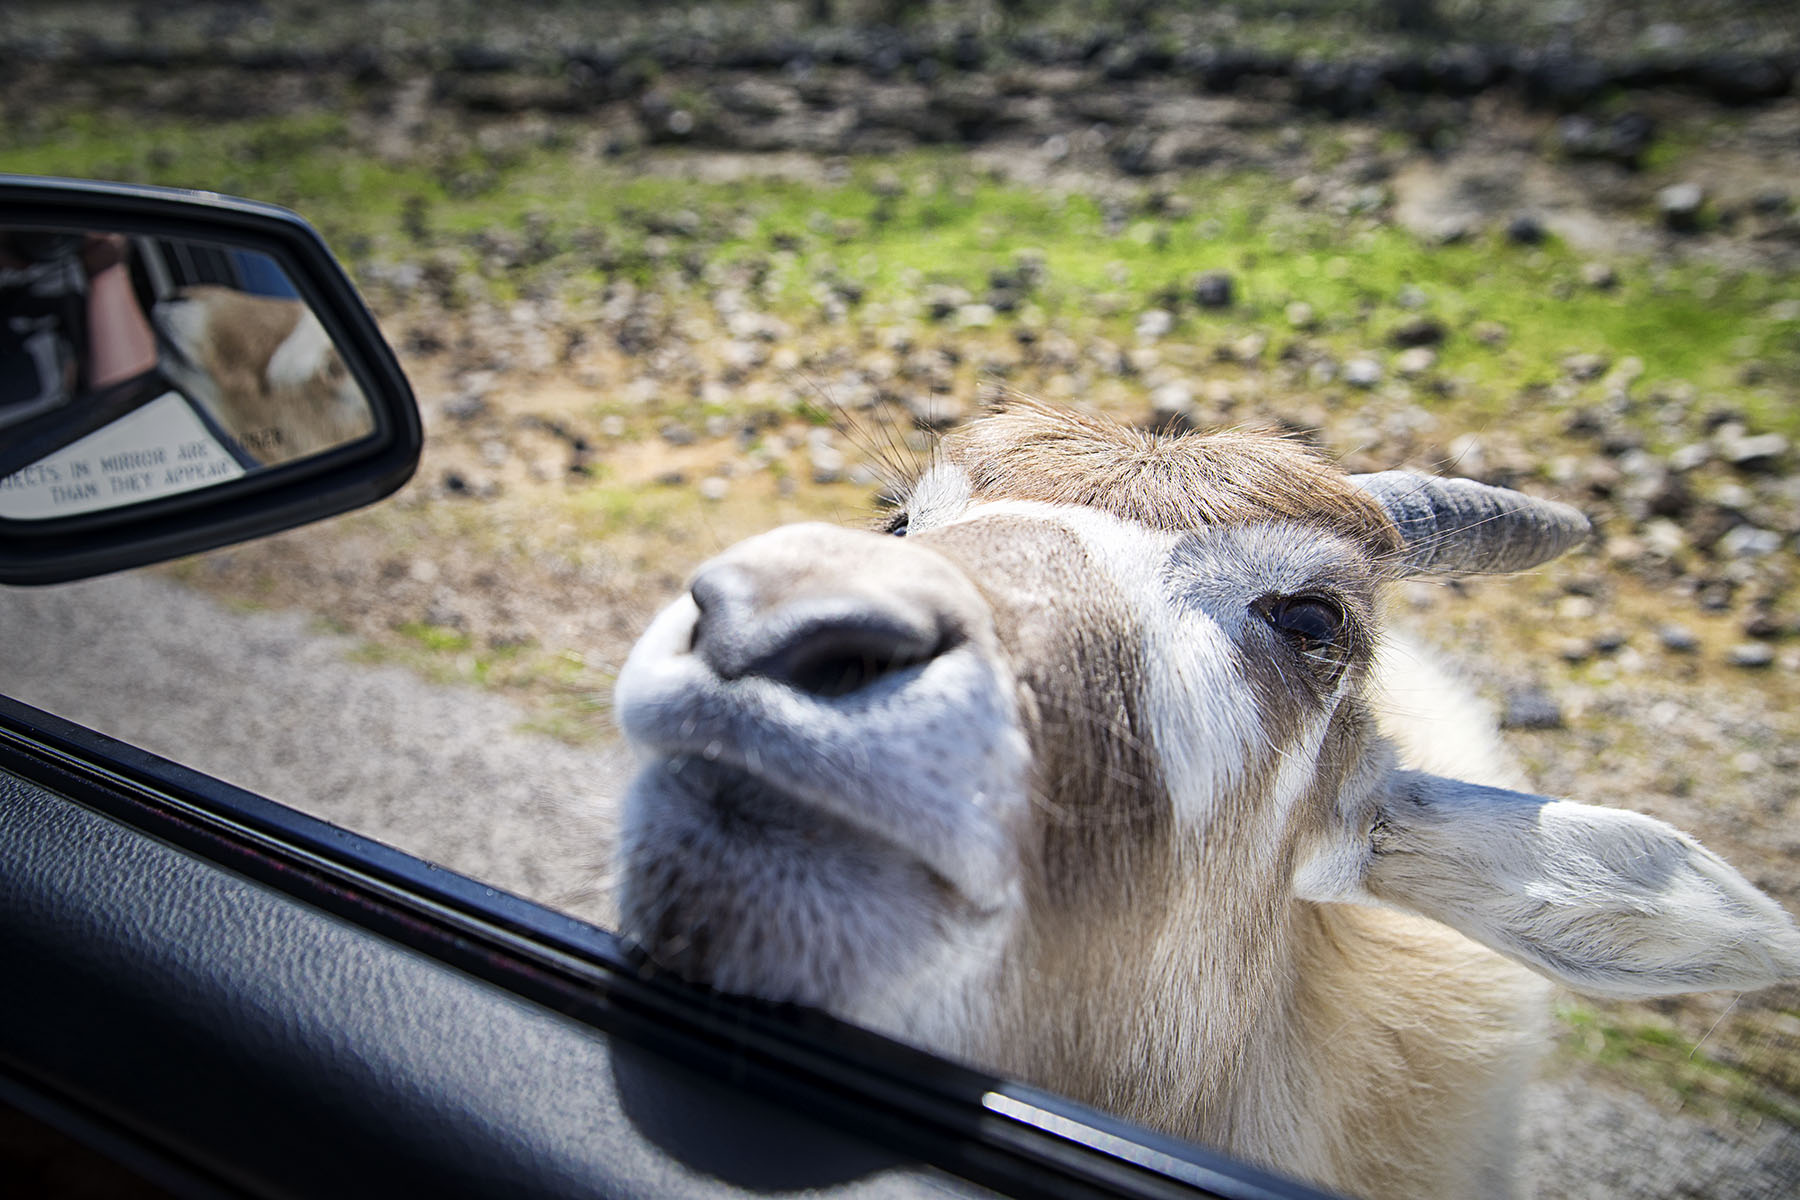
(1027, 450)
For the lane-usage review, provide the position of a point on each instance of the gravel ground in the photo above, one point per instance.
(1598, 1143)
(269, 702)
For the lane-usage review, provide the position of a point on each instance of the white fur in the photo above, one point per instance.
(1609, 902)
(940, 496)
(1212, 996)
(945, 777)
(304, 355)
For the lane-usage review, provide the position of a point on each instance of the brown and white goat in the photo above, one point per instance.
(1103, 776)
(264, 369)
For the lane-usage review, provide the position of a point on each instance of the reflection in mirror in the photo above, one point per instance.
(133, 368)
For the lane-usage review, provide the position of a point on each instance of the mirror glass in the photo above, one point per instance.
(134, 368)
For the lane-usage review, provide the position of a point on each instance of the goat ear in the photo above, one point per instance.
(1608, 902)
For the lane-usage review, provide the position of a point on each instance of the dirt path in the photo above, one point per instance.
(267, 701)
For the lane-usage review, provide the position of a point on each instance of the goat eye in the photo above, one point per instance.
(1308, 619)
(1314, 625)
(896, 525)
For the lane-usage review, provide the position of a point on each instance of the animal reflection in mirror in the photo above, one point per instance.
(264, 370)
(1105, 775)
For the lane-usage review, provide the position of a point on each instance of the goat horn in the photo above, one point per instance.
(1460, 527)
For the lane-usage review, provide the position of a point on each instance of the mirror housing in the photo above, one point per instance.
(249, 492)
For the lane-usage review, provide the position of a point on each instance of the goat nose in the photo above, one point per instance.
(827, 641)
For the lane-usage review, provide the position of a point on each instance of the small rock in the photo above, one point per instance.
(1751, 655)
(1747, 541)
(1625, 443)
(1489, 333)
(1585, 368)
(443, 614)
(827, 463)
(1362, 372)
(1420, 331)
(936, 410)
(1154, 323)
(1770, 202)
(1671, 497)
(1576, 608)
(1678, 639)
(942, 302)
(1415, 362)
(1599, 275)
(1679, 206)
(677, 434)
(466, 406)
(714, 488)
(1664, 538)
(1765, 626)
(671, 479)
(1574, 650)
(975, 316)
(1451, 231)
(1300, 315)
(1686, 458)
(1525, 230)
(1758, 453)
(1213, 289)
(1624, 140)
(1172, 406)
(1249, 348)
(1585, 422)
(1609, 642)
(1715, 595)
(1412, 296)
(1470, 457)
(1140, 360)
(1531, 708)
(1005, 300)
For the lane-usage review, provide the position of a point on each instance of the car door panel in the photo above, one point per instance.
(278, 1007)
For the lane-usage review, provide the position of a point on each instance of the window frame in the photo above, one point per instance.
(995, 1133)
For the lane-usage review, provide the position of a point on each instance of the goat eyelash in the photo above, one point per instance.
(1328, 653)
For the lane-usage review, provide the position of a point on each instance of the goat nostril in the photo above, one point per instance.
(833, 662)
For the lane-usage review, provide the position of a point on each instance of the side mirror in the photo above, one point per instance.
(178, 371)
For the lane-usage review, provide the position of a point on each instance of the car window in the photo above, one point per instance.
(665, 280)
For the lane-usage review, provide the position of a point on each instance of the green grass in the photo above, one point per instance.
(567, 698)
(1658, 1059)
(436, 637)
(894, 227)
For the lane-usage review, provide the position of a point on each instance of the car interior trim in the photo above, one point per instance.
(992, 1131)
